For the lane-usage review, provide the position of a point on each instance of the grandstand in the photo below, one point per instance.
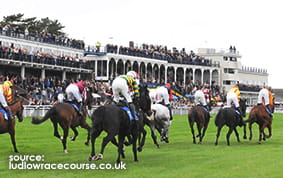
(155, 64)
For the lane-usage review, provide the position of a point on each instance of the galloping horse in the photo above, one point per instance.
(115, 121)
(67, 117)
(229, 117)
(9, 126)
(199, 115)
(259, 115)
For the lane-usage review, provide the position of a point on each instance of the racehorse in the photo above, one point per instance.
(9, 126)
(229, 117)
(115, 121)
(199, 115)
(67, 117)
(259, 115)
(160, 120)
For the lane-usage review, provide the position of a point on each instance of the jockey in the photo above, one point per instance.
(122, 85)
(74, 92)
(200, 97)
(135, 75)
(268, 98)
(6, 96)
(165, 93)
(233, 97)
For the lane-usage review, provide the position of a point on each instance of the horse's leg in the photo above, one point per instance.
(199, 133)
(134, 144)
(64, 140)
(56, 133)
(204, 130)
(12, 136)
(142, 140)
(193, 131)
(120, 147)
(245, 131)
(87, 127)
(261, 132)
(269, 130)
(153, 134)
(237, 134)
(228, 135)
(94, 135)
(105, 141)
(218, 134)
(251, 133)
(114, 142)
(76, 133)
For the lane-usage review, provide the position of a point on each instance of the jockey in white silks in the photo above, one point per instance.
(200, 97)
(74, 92)
(265, 94)
(121, 86)
(162, 94)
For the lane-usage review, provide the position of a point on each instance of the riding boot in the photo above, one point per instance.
(240, 117)
(207, 109)
(9, 112)
(133, 110)
(170, 112)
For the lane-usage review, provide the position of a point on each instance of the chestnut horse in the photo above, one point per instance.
(9, 126)
(259, 115)
(201, 117)
(67, 117)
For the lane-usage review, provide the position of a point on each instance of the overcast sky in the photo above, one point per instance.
(254, 27)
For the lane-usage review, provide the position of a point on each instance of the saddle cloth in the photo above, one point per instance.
(128, 111)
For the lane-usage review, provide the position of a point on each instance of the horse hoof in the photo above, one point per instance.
(264, 138)
(215, 144)
(139, 149)
(90, 158)
(200, 143)
(72, 139)
(259, 143)
(86, 144)
(98, 157)
(65, 151)
(244, 137)
(250, 139)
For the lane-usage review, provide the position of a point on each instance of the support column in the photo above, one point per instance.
(64, 75)
(194, 80)
(202, 76)
(184, 81)
(107, 70)
(210, 77)
(43, 74)
(23, 72)
(165, 80)
(175, 74)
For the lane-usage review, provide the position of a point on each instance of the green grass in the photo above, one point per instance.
(179, 158)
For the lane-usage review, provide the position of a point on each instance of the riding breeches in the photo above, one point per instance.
(3, 99)
(73, 92)
(162, 92)
(200, 98)
(120, 86)
(263, 93)
(232, 98)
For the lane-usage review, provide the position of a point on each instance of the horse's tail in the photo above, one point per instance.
(47, 116)
(252, 116)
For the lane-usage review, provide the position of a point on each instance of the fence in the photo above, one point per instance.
(40, 110)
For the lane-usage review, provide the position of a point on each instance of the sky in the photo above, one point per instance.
(254, 27)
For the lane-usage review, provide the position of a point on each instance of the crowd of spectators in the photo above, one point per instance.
(22, 54)
(43, 37)
(160, 52)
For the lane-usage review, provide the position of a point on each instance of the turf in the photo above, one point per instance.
(179, 158)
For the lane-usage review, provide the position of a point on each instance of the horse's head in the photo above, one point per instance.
(18, 108)
(87, 97)
(243, 106)
(145, 102)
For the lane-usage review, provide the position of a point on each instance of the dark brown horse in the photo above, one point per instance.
(9, 126)
(199, 115)
(67, 117)
(259, 115)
